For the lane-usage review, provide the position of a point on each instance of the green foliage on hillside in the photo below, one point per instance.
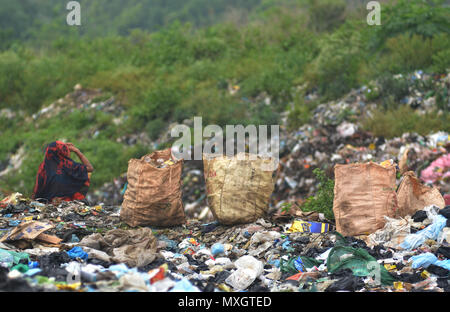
(42, 21)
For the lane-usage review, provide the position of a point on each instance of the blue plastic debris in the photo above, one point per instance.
(217, 249)
(275, 262)
(74, 239)
(32, 272)
(412, 241)
(298, 263)
(14, 222)
(77, 252)
(184, 286)
(33, 264)
(427, 259)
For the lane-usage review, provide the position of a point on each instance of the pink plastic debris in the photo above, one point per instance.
(438, 169)
(447, 199)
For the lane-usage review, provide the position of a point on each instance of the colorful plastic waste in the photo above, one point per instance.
(432, 232)
(426, 259)
(308, 227)
(78, 253)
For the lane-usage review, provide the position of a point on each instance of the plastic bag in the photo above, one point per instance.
(249, 262)
(184, 286)
(358, 260)
(393, 233)
(433, 231)
(263, 237)
(9, 257)
(132, 281)
(427, 259)
(6, 259)
(248, 269)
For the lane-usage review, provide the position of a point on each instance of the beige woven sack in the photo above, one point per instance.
(413, 195)
(153, 195)
(238, 191)
(363, 195)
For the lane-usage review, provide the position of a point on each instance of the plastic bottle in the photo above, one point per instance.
(6, 259)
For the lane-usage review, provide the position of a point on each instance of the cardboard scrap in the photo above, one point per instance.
(50, 239)
(33, 230)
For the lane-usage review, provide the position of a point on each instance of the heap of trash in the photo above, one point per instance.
(333, 136)
(75, 247)
(174, 225)
(383, 239)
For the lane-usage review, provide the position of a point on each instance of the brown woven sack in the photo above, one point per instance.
(363, 195)
(153, 195)
(238, 191)
(413, 195)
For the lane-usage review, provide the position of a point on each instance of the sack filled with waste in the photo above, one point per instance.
(364, 193)
(238, 188)
(413, 195)
(153, 195)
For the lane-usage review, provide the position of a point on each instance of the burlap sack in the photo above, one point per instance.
(363, 195)
(153, 195)
(412, 195)
(238, 191)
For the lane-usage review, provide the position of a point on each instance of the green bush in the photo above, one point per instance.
(172, 45)
(325, 15)
(394, 122)
(322, 202)
(411, 17)
(335, 70)
(405, 53)
(11, 75)
(441, 61)
(441, 54)
(208, 48)
(393, 89)
(301, 112)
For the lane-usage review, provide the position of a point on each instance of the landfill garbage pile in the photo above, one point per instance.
(76, 247)
(110, 193)
(86, 247)
(334, 136)
(81, 99)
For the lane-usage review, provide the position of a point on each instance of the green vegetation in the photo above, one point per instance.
(322, 201)
(167, 61)
(395, 122)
